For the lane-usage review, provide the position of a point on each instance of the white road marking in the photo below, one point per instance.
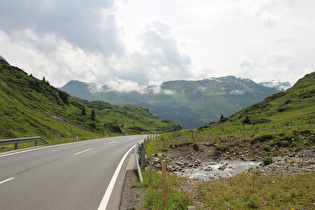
(104, 202)
(112, 142)
(83, 151)
(4, 181)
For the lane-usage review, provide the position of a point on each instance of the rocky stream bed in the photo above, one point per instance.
(207, 163)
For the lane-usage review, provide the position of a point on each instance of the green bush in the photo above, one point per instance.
(267, 160)
(196, 146)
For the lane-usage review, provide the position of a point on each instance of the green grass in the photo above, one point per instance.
(258, 191)
(176, 198)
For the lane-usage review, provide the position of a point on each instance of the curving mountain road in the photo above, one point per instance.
(66, 176)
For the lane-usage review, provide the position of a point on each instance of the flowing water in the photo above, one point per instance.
(212, 170)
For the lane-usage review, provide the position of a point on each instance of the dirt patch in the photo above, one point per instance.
(132, 196)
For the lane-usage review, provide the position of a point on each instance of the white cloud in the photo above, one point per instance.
(123, 86)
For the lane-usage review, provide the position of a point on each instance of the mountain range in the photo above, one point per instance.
(188, 103)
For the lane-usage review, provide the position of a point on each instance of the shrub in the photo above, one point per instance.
(196, 146)
(246, 120)
(267, 160)
(267, 148)
(223, 119)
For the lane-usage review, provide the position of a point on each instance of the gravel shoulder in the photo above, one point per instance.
(132, 196)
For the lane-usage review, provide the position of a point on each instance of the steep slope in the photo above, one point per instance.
(295, 103)
(32, 107)
(189, 103)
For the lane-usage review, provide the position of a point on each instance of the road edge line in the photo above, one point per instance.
(106, 197)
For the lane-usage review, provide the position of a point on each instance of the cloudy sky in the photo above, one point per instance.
(129, 44)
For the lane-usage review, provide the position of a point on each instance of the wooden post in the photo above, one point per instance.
(150, 174)
(163, 141)
(164, 182)
(142, 156)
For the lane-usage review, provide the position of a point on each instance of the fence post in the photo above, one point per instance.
(142, 156)
(35, 143)
(164, 182)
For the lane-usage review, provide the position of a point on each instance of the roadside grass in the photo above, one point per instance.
(176, 198)
(258, 191)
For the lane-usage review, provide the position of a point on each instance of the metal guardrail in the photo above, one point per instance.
(137, 163)
(20, 140)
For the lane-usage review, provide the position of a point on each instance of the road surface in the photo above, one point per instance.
(66, 176)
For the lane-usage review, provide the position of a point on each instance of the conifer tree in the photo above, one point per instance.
(93, 115)
(83, 111)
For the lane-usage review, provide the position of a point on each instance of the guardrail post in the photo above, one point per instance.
(35, 143)
(137, 162)
(16, 146)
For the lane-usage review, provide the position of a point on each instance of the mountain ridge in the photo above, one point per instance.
(189, 103)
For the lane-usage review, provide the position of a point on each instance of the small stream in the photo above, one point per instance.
(212, 170)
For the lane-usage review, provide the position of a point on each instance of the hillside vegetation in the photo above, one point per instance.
(32, 107)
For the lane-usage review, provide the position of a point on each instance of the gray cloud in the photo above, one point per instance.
(85, 24)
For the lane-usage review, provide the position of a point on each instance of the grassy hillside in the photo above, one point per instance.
(297, 103)
(32, 107)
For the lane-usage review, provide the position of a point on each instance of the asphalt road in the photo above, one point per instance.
(66, 176)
